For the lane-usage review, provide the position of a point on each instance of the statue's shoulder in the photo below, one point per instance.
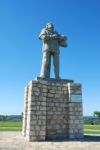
(43, 31)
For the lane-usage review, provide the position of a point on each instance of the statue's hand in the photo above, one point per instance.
(62, 37)
(54, 36)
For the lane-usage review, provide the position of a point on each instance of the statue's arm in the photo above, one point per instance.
(43, 36)
(46, 37)
(63, 41)
(60, 37)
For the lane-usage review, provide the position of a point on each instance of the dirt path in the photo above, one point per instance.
(15, 141)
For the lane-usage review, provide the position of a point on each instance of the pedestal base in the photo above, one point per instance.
(52, 110)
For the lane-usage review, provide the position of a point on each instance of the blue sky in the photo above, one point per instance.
(20, 49)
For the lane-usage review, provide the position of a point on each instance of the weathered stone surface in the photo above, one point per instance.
(49, 112)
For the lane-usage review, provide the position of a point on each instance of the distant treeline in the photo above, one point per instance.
(11, 118)
(91, 120)
(87, 119)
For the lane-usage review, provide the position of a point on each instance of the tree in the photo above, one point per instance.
(97, 113)
(3, 118)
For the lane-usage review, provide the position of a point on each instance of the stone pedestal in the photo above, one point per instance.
(52, 110)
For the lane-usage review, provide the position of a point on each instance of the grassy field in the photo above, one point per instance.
(17, 126)
(92, 129)
(10, 126)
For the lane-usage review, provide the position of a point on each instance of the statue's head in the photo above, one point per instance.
(50, 26)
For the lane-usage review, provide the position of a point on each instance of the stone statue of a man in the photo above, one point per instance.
(51, 43)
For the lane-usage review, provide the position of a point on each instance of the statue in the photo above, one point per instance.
(52, 40)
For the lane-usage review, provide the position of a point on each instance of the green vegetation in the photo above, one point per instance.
(9, 129)
(91, 132)
(11, 126)
(3, 118)
(10, 118)
(92, 120)
(92, 129)
(97, 114)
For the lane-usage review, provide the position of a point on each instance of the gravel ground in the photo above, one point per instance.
(15, 141)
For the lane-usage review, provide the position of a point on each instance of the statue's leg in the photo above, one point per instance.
(45, 71)
(56, 64)
(49, 66)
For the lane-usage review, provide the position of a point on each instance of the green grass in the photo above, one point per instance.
(92, 127)
(10, 126)
(17, 126)
(91, 132)
(10, 129)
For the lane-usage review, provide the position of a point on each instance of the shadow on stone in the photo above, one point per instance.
(87, 138)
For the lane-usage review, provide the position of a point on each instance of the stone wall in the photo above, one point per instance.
(52, 109)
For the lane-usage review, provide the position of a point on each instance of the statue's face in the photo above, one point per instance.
(50, 27)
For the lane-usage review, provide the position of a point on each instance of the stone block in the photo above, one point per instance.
(72, 136)
(52, 91)
(43, 127)
(44, 90)
(43, 104)
(43, 82)
(37, 127)
(36, 93)
(50, 95)
(44, 94)
(42, 138)
(43, 98)
(42, 133)
(43, 108)
(57, 95)
(35, 89)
